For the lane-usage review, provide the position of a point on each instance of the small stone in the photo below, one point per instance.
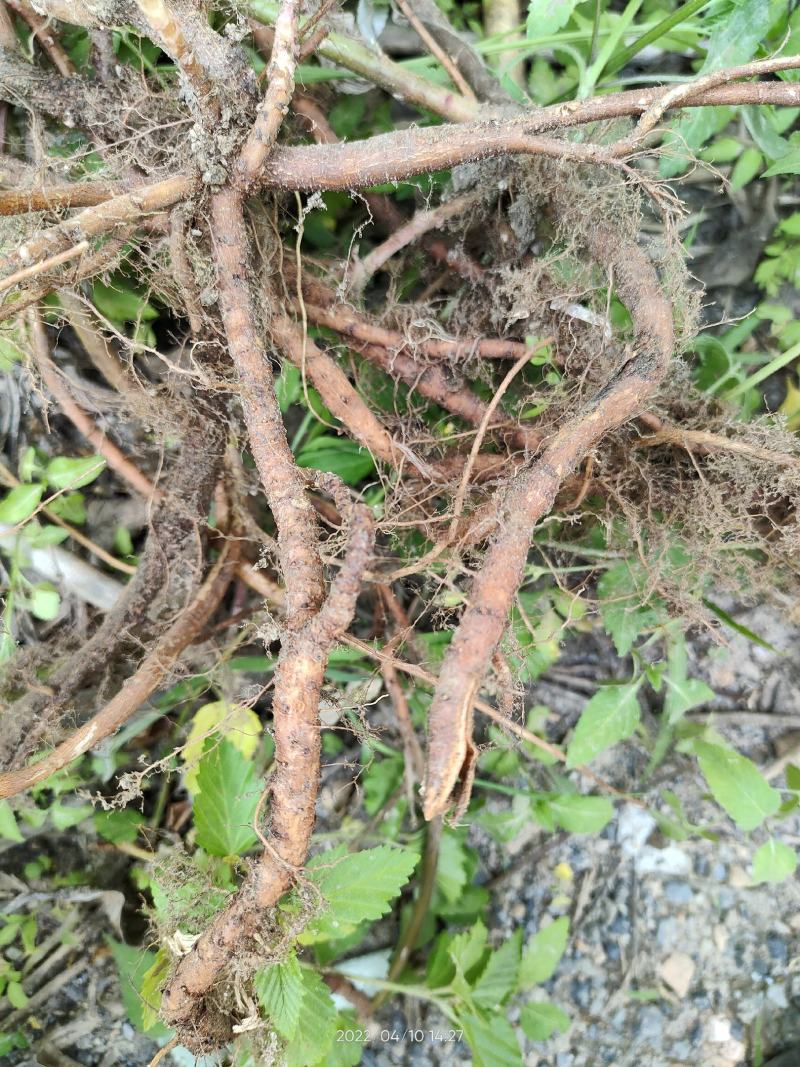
(719, 872)
(677, 971)
(718, 1029)
(778, 949)
(776, 995)
(678, 892)
(739, 878)
(650, 1024)
(669, 860)
(667, 931)
(720, 937)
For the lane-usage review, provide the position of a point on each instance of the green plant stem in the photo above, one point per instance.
(649, 36)
(422, 905)
(774, 365)
(386, 986)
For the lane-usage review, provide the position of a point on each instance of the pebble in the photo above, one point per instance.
(650, 1024)
(776, 995)
(677, 971)
(678, 892)
(718, 1029)
(719, 872)
(778, 949)
(667, 931)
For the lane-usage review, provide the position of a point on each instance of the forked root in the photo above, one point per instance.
(527, 499)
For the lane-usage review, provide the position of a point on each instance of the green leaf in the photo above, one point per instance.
(498, 980)
(451, 871)
(316, 1023)
(611, 715)
(792, 777)
(132, 964)
(8, 823)
(493, 1041)
(543, 953)
(621, 590)
(43, 601)
(787, 164)
(581, 814)
(288, 386)
(346, 1053)
(17, 997)
(280, 991)
(737, 626)
(736, 784)
(546, 17)
(734, 40)
(121, 302)
(542, 1019)
(466, 949)
(237, 724)
(339, 456)
(119, 826)
(37, 536)
(227, 796)
(774, 862)
(358, 887)
(20, 503)
(152, 985)
(682, 693)
(66, 473)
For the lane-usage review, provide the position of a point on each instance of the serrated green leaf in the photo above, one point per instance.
(787, 164)
(736, 784)
(346, 1053)
(451, 871)
(733, 41)
(8, 823)
(581, 814)
(543, 953)
(236, 723)
(358, 887)
(68, 473)
(338, 455)
(498, 979)
(280, 991)
(493, 1041)
(466, 949)
(226, 801)
(541, 1019)
(20, 503)
(774, 862)
(610, 716)
(316, 1024)
(546, 17)
(621, 609)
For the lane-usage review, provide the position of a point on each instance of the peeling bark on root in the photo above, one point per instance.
(530, 497)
